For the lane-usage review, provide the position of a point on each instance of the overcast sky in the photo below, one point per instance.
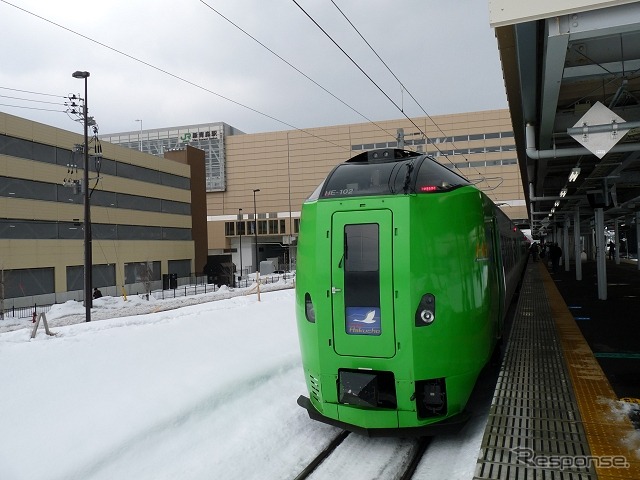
(181, 63)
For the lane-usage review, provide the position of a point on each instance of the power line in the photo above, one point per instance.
(177, 77)
(363, 72)
(31, 108)
(295, 68)
(399, 81)
(352, 61)
(30, 100)
(34, 93)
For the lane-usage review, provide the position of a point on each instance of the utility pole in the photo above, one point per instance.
(88, 299)
(255, 227)
(240, 233)
(1, 292)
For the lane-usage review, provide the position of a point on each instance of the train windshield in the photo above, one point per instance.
(434, 177)
(415, 175)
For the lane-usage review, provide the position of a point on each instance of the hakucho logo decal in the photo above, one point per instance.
(363, 320)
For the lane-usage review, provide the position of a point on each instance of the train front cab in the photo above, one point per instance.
(380, 321)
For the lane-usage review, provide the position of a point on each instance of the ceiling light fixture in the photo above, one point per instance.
(573, 176)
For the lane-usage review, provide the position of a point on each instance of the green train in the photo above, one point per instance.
(405, 271)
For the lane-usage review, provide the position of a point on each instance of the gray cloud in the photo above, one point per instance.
(445, 53)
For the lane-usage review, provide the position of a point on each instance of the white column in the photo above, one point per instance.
(600, 254)
(576, 241)
(617, 242)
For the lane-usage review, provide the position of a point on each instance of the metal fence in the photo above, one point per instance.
(25, 312)
(159, 294)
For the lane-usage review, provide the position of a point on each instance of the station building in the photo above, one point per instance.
(208, 137)
(148, 215)
(200, 194)
(284, 167)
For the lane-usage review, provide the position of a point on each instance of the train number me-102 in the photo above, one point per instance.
(343, 191)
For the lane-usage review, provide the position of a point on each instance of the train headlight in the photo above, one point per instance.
(426, 312)
(309, 311)
(427, 316)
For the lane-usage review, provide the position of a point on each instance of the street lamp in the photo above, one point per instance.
(140, 136)
(240, 233)
(88, 303)
(255, 227)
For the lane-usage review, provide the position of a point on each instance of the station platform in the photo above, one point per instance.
(555, 413)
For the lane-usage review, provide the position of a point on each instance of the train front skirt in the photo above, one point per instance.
(449, 425)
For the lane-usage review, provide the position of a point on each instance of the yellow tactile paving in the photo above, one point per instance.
(609, 435)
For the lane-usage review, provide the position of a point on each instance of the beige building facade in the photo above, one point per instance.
(286, 166)
(141, 215)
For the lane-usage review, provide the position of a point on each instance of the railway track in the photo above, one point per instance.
(406, 471)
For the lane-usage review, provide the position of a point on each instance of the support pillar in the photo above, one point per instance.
(565, 244)
(637, 239)
(576, 241)
(616, 255)
(600, 254)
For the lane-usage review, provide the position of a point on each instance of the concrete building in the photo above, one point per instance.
(286, 166)
(147, 215)
(209, 137)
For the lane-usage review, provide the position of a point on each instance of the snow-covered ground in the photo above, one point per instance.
(167, 390)
(160, 390)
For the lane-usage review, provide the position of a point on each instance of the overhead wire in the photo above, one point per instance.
(246, 106)
(22, 99)
(294, 67)
(29, 100)
(399, 82)
(354, 62)
(31, 108)
(173, 75)
(33, 93)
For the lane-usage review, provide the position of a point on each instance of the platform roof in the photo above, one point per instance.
(559, 62)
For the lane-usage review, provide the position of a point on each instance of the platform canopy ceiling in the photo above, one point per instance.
(572, 77)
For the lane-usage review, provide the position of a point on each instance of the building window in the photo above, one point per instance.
(141, 272)
(21, 188)
(262, 227)
(28, 281)
(139, 232)
(174, 233)
(101, 276)
(181, 267)
(273, 226)
(229, 230)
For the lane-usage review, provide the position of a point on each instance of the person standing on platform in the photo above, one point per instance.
(534, 251)
(555, 252)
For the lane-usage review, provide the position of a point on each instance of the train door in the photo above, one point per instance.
(362, 284)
